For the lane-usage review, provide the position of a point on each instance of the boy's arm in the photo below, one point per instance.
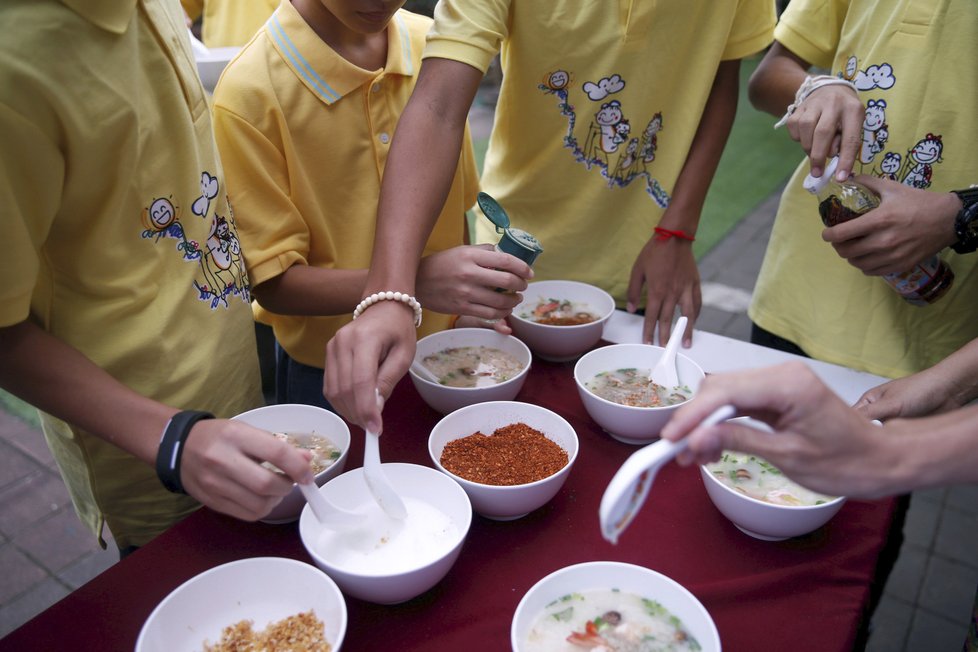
(821, 442)
(375, 351)
(828, 122)
(667, 267)
(218, 467)
(948, 385)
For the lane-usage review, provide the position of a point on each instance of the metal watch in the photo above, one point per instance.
(966, 222)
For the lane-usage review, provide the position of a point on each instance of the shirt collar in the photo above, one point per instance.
(111, 15)
(317, 65)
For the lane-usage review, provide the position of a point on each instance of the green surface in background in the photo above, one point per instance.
(23, 411)
(755, 162)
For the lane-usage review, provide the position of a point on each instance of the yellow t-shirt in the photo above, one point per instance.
(229, 22)
(907, 59)
(598, 106)
(304, 135)
(118, 238)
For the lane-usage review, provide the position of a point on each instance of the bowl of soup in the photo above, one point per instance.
(560, 320)
(511, 458)
(611, 605)
(760, 500)
(386, 560)
(308, 427)
(464, 366)
(613, 383)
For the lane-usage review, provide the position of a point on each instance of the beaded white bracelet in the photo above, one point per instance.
(390, 296)
(809, 86)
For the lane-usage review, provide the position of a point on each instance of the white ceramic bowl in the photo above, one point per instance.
(298, 419)
(363, 560)
(561, 343)
(445, 399)
(632, 425)
(629, 578)
(261, 589)
(505, 503)
(761, 519)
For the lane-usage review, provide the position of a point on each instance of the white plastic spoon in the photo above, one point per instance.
(377, 481)
(664, 372)
(627, 490)
(327, 513)
(418, 367)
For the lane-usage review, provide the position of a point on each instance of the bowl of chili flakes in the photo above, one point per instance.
(511, 458)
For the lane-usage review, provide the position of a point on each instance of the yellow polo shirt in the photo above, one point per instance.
(906, 57)
(304, 135)
(598, 107)
(118, 238)
(229, 22)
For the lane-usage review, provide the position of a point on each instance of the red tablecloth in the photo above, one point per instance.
(809, 593)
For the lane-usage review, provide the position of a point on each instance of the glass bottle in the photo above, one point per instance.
(841, 201)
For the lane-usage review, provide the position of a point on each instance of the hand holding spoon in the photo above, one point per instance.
(627, 490)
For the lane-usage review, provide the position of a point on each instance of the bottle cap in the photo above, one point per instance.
(515, 242)
(521, 244)
(491, 208)
(815, 185)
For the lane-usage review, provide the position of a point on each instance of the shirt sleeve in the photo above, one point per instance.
(753, 29)
(811, 29)
(31, 178)
(272, 232)
(469, 31)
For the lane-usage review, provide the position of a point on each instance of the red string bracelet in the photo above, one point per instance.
(665, 234)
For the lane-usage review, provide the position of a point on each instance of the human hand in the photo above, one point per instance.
(818, 440)
(931, 391)
(371, 353)
(221, 467)
(462, 281)
(668, 271)
(829, 122)
(909, 226)
(499, 325)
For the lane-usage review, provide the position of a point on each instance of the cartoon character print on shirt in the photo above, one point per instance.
(608, 145)
(916, 167)
(222, 273)
(208, 191)
(873, 122)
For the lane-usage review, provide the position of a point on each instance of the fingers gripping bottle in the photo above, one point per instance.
(514, 242)
(842, 201)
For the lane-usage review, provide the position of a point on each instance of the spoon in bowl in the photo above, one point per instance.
(326, 512)
(664, 372)
(426, 373)
(377, 481)
(627, 490)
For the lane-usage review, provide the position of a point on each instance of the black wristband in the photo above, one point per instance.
(170, 452)
(966, 222)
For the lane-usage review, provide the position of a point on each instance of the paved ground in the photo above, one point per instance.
(45, 553)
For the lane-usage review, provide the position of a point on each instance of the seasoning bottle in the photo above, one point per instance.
(515, 242)
(841, 201)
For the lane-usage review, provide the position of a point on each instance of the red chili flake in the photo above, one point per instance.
(514, 454)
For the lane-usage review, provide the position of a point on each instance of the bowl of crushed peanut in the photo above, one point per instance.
(511, 458)
(250, 604)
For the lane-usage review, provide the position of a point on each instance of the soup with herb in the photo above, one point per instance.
(759, 479)
(559, 312)
(633, 387)
(324, 452)
(608, 620)
(472, 366)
